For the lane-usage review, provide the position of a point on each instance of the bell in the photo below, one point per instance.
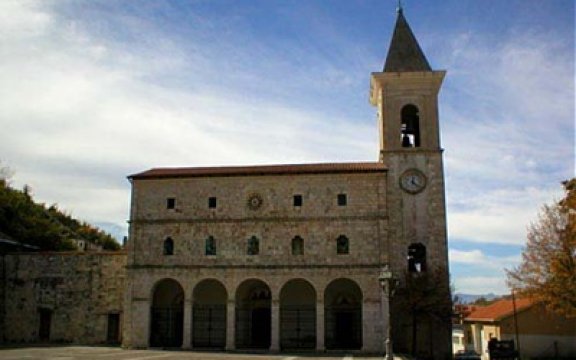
(406, 141)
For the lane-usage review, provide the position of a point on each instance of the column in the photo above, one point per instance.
(320, 326)
(275, 326)
(187, 336)
(230, 324)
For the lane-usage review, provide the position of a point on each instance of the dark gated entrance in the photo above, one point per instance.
(113, 331)
(343, 315)
(45, 324)
(253, 315)
(166, 318)
(209, 315)
(297, 315)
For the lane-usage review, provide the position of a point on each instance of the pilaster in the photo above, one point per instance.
(275, 325)
(230, 324)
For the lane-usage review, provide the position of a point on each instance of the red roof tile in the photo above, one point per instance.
(499, 310)
(327, 168)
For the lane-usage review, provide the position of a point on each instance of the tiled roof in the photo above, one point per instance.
(327, 168)
(499, 310)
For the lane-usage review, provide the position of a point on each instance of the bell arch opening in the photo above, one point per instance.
(410, 126)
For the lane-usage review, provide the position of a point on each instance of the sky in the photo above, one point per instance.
(93, 91)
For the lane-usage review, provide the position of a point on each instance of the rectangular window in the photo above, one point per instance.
(298, 200)
(212, 202)
(342, 200)
(170, 203)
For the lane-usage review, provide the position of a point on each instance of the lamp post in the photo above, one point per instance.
(388, 283)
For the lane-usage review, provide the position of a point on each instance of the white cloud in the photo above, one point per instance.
(478, 258)
(509, 133)
(488, 271)
(478, 285)
(81, 115)
(497, 216)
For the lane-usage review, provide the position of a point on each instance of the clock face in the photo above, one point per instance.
(413, 181)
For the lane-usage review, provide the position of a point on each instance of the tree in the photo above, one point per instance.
(547, 272)
(425, 298)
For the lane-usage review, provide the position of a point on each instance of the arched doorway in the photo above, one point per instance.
(166, 314)
(253, 315)
(298, 315)
(343, 315)
(209, 315)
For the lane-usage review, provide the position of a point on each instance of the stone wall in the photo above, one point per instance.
(319, 221)
(78, 290)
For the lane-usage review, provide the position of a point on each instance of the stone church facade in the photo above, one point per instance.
(272, 258)
(288, 257)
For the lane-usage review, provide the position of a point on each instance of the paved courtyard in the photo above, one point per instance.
(106, 353)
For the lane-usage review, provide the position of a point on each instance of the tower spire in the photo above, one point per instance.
(404, 54)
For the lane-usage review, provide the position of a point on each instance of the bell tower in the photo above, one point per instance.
(405, 94)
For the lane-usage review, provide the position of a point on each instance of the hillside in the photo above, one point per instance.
(45, 227)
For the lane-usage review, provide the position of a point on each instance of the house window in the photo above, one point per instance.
(342, 200)
(297, 200)
(212, 203)
(342, 245)
(168, 248)
(170, 203)
(253, 246)
(210, 246)
(297, 246)
(416, 258)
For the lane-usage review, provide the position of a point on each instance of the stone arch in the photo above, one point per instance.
(166, 314)
(417, 257)
(410, 126)
(209, 299)
(297, 315)
(253, 314)
(343, 315)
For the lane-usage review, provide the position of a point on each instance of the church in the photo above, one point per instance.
(288, 257)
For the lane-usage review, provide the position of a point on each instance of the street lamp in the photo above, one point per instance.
(388, 283)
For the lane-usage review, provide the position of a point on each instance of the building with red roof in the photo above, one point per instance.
(540, 333)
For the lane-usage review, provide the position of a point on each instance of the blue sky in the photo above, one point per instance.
(92, 91)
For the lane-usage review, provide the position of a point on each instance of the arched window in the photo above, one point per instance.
(210, 246)
(297, 246)
(410, 126)
(342, 245)
(253, 246)
(416, 258)
(168, 248)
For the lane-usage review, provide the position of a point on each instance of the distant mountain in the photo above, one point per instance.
(469, 298)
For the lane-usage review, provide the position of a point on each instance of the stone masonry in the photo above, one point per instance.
(78, 290)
